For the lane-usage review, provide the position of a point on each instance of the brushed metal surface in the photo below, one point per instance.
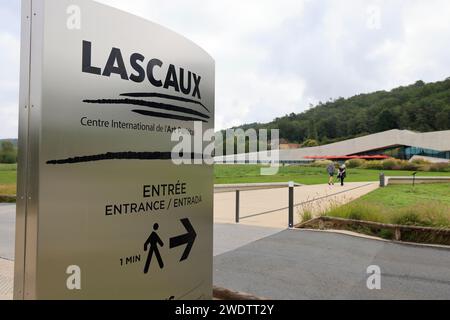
(64, 220)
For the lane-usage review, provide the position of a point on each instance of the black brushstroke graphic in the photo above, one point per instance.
(125, 156)
(160, 95)
(166, 115)
(150, 104)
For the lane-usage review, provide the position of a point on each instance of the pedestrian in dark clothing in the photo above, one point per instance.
(342, 174)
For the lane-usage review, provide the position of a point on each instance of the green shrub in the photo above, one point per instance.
(396, 164)
(421, 162)
(386, 234)
(8, 157)
(389, 164)
(355, 163)
(321, 163)
(8, 153)
(439, 167)
(374, 165)
(409, 166)
(309, 143)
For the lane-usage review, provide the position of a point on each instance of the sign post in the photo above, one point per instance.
(103, 211)
(291, 204)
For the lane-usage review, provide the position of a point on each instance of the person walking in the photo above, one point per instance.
(342, 174)
(331, 170)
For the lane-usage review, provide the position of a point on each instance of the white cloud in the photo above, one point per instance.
(233, 32)
(9, 85)
(274, 57)
(424, 51)
(9, 119)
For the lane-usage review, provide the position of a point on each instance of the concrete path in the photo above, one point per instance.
(7, 230)
(297, 264)
(252, 202)
(6, 279)
(291, 264)
(228, 237)
(254, 205)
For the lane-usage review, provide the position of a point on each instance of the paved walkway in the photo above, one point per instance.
(6, 279)
(227, 235)
(7, 230)
(300, 264)
(255, 204)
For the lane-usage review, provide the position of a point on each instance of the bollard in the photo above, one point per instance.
(291, 204)
(397, 234)
(382, 181)
(237, 206)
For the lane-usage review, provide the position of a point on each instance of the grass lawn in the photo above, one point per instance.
(8, 176)
(225, 174)
(399, 196)
(423, 205)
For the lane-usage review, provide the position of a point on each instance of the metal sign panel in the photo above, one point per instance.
(103, 212)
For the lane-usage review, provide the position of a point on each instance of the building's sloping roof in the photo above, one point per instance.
(439, 141)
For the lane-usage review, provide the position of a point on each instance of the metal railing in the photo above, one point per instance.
(291, 205)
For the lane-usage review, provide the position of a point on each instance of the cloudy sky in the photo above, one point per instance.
(278, 56)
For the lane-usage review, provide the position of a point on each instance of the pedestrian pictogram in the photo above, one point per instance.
(154, 240)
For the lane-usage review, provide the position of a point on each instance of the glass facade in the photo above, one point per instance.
(407, 152)
(414, 151)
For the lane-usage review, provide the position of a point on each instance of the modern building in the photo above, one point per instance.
(400, 144)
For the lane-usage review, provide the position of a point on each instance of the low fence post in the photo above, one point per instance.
(237, 205)
(397, 234)
(382, 180)
(291, 204)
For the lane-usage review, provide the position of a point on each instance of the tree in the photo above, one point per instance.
(8, 153)
(443, 119)
(309, 143)
(420, 106)
(404, 121)
(386, 121)
(7, 146)
(312, 131)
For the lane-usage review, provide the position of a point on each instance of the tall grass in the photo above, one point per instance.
(396, 164)
(431, 214)
(306, 215)
(357, 211)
